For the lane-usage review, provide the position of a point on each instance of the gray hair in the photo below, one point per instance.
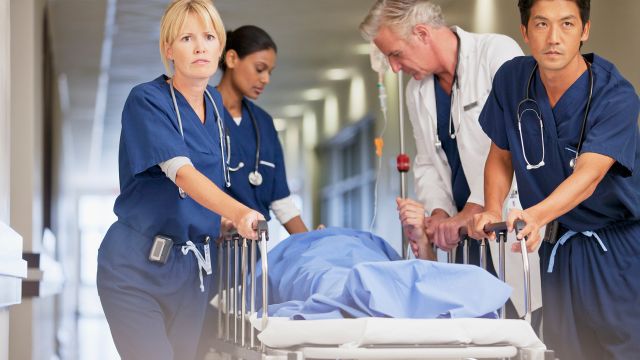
(401, 16)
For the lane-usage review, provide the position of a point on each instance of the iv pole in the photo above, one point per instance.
(402, 161)
(403, 165)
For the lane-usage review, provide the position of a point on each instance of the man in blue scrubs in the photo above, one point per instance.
(568, 125)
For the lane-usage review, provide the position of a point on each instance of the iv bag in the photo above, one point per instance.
(379, 62)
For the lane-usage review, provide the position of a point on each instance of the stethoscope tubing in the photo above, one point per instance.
(255, 178)
(583, 126)
(455, 86)
(221, 132)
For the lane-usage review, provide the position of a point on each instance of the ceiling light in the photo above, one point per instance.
(362, 49)
(313, 94)
(338, 74)
(293, 111)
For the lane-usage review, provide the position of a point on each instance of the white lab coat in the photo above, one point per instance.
(481, 55)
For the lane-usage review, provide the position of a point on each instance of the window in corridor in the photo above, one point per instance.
(348, 176)
(95, 215)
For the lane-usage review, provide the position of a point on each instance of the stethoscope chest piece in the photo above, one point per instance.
(255, 178)
(572, 163)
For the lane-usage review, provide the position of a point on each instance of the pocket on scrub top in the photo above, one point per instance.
(570, 150)
(568, 153)
(268, 171)
(267, 163)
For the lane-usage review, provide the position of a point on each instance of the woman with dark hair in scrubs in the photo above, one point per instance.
(154, 263)
(256, 161)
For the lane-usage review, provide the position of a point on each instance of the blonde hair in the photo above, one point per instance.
(176, 14)
(401, 16)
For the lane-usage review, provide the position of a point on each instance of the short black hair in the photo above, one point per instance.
(247, 40)
(525, 10)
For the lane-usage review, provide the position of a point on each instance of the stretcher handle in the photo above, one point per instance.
(495, 227)
(500, 228)
(262, 228)
(519, 225)
(462, 233)
(489, 228)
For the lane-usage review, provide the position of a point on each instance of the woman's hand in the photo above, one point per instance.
(226, 225)
(247, 223)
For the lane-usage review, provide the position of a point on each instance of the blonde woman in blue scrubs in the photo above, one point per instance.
(171, 174)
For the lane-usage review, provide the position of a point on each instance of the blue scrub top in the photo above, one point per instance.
(459, 183)
(611, 130)
(243, 149)
(149, 202)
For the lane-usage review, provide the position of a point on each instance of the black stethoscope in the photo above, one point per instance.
(255, 178)
(221, 132)
(527, 99)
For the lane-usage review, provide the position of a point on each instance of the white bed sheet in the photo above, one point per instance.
(362, 332)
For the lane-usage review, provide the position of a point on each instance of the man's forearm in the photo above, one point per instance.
(471, 209)
(590, 170)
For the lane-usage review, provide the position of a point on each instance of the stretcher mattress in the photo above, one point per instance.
(362, 332)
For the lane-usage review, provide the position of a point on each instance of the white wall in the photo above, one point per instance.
(26, 115)
(613, 34)
(31, 331)
(5, 106)
(4, 149)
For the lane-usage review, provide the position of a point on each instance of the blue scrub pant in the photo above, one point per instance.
(154, 311)
(591, 299)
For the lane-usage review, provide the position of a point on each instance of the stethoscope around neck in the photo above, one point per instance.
(255, 178)
(221, 132)
(528, 99)
(453, 132)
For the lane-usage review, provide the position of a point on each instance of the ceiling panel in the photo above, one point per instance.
(312, 36)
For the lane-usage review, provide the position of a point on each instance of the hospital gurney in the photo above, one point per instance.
(242, 334)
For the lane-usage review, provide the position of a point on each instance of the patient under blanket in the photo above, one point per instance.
(343, 273)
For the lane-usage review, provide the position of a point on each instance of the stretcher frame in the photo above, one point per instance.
(234, 340)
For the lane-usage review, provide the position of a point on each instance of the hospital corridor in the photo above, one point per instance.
(319, 179)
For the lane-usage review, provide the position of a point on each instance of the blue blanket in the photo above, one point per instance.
(343, 273)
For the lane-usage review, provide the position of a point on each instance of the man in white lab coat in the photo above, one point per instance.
(452, 72)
